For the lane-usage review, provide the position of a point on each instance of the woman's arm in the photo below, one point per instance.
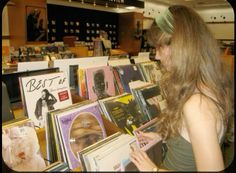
(199, 114)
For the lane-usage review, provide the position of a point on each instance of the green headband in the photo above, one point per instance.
(165, 21)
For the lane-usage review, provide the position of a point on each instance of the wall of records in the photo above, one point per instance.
(85, 24)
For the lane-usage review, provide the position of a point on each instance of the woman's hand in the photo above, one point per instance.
(144, 138)
(142, 161)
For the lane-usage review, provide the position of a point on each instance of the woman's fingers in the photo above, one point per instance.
(142, 161)
(139, 155)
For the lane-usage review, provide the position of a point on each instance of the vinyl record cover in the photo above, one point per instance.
(43, 93)
(107, 154)
(118, 85)
(151, 71)
(80, 127)
(124, 112)
(20, 147)
(82, 83)
(73, 76)
(54, 143)
(149, 100)
(128, 73)
(100, 82)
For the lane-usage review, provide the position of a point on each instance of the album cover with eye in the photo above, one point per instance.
(54, 144)
(128, 73)
(80, 127)
(100, 82)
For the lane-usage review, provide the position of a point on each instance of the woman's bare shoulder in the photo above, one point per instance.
(199, 107)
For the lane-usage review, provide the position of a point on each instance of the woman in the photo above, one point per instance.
(198, 93)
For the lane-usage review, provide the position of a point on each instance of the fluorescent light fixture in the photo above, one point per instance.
(130, 7)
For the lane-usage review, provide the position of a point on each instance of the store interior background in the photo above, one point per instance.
(218, 14)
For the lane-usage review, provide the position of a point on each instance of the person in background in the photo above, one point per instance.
(198, 91)
(106, 43)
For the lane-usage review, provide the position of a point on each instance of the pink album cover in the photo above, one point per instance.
(100, 82)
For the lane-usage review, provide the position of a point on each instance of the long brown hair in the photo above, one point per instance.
(195, 62)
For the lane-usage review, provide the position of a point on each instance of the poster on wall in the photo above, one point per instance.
(36, 21)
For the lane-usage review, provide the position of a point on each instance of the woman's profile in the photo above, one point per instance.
(199, 94)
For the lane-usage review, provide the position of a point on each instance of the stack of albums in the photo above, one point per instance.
(150, 71)
(150, 100)
(123, 111)
(145, 71)
(57, 167)
(125, 74)
(71, 129)
(113, 154)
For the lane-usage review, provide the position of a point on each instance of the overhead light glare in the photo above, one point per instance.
(130, 7)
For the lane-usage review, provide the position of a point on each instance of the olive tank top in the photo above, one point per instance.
(179, 155)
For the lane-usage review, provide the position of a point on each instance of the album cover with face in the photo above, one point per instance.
(80, 127)
(43, 93)
(100, 82)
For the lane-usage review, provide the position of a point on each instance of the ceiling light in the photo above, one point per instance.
(130, 7)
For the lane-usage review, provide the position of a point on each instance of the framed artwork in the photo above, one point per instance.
(36, 21)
